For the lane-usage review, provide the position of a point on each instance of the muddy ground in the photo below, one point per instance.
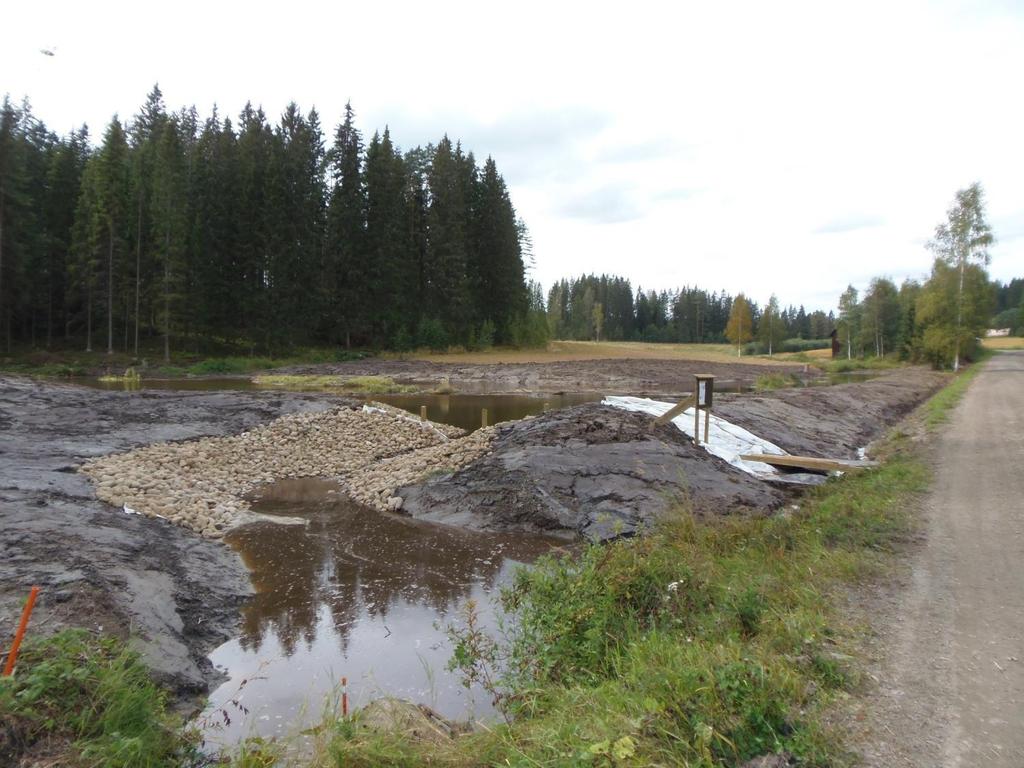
(609, 377)
(591, 471)
(98, 567)
(599, 472)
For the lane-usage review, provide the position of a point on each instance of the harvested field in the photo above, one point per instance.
(609, 376)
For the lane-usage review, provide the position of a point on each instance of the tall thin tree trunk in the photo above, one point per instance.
(88, 319)
(167, 300)
(959, 315)
(3, 309)
(49, 302)
(138, 273)
(110, 289)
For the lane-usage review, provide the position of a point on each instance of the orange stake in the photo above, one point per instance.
(344, 697)
(13, 655)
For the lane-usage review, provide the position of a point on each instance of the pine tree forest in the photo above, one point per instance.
(177, 233)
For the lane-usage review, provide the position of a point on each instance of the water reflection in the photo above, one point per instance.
(355, 593)
(460, 410)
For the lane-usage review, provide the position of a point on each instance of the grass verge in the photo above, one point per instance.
(861, 364)
(769, 381)
(69, 363)
(938, 408)
(357, 384)
(80, 700)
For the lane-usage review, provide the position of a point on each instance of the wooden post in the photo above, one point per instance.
(547, 406)
(12, 655)
(423, 412)
(483, 417)
(703, 394)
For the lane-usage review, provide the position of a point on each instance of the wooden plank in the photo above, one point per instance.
(681, 406)
(811, 463)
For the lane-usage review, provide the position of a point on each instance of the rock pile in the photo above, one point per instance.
(202, 484)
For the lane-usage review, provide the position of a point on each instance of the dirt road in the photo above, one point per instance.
(951, 683)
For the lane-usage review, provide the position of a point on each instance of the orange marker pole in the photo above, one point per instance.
(344, 697)
(13, 655)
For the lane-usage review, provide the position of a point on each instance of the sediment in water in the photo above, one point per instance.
(203, 484)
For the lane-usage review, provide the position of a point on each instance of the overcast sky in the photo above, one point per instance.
(786, 148)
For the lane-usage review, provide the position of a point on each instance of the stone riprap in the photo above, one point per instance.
(202, 484)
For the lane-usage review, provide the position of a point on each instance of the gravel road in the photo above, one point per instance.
(951, 680)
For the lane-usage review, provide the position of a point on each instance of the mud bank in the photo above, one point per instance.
(609, 377)
(98, 567)
(600, 472)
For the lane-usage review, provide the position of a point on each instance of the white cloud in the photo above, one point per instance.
(786, 148)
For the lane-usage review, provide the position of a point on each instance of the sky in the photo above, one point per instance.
(786, 147)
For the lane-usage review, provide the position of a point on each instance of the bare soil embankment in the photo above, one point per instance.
(599, 472)
(609, 377)
(591, 471)
(98, 567)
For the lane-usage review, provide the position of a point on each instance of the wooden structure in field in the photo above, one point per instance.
(810, 463)
(701, 399)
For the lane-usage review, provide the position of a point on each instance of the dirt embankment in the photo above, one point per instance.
(99, 567)
(592, 470)
(609, 377)
(599, 472)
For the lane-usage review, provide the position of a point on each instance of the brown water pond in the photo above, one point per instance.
(352, 593)
(460, 410)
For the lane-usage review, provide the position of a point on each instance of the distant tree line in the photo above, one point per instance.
(603, 307)
(940, 319)
(220, 232)
(937, 320)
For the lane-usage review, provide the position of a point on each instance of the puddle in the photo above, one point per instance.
(465, 410)
(355, 593)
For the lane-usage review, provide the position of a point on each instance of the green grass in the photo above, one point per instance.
(50, 370)
(769, 381)
(356, 384)
(94, 699)
(938, 409)
(67, 363)
(859, 364)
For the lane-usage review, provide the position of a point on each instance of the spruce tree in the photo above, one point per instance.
(346, 216)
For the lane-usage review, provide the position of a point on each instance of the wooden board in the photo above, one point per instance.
(810, 463)
(681, 406)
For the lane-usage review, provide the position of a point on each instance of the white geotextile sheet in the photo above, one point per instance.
(725, 440)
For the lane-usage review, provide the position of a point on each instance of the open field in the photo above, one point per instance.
(1003, 342)
(565, 351)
